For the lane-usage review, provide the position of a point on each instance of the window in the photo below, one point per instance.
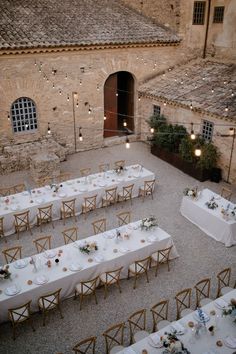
(23, 115)
(207, 130)
(199, 12)
(218, 14)
(156, 110)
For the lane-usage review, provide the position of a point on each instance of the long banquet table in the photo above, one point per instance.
(109, 256)
(210, 221)
(78, 188)
(206, 343)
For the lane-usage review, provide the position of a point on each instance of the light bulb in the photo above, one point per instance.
(49, 129)
(212, 90)
(192, 135)
(66, 77)
(53, 86)
(226, 109)
(198, 152)
(77, 104)
(139, 98)
(80, 135)
(68, 98)
(231, 131)
(124, 123)
(164, 103)
(191, 106)
(127, 143)
(60, 92)
(104, 117)
(89, 111)
(152, 130)
(117, 94)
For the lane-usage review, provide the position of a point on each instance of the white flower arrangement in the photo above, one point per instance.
(172, 344)
(4, 272)
(88, 247)
(211, 204)
(191, 192)
(149, 223)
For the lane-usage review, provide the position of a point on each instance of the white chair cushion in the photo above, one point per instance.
(162, 324)
(205, 301)
(116, 349)
(140, 335)
(48, 304)
(132, 268)
(226, 290)
(185, 312)
(154, 257)
(16, 316)
(110, 279)
(78, 288)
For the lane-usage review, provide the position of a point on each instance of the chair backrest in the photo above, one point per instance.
(137, 322)
(119, 163)
(18, 188)
(110, 195)
(5, 192)
(104, 167)
(43, 244)
(142, 265)
(20, 313)
(85, 172)
(63, 177)
(1, 226)
(68, 206)
(22, 219)
(149, 186)
(159, 312)
(114, 336)
(70, 235)
(183, 300)
(113, 276)
(202, 290)
(45, 213)
(86, 346)
(223, 279)
(127, 192)
(163, 255)
(226, 193)
(99, 226)
(12, 254)
(51, 300)
(90, 202)
(88, 287)
(124, 218)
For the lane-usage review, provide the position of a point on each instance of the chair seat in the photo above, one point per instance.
(17, 317)
(162, 324)
(205, 301)
(116, 349)
(226, 290)
(109, 279)
(78, 288)
(138, 268)
(142, 190)
(140, 335)
(49, 306)
(185, 312)
(46, 217)
(88, 208)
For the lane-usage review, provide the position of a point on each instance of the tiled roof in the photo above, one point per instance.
(52, 23)
(210, 86)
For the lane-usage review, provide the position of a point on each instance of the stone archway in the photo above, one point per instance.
(119, 104)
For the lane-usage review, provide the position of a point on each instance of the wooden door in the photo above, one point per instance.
(110, 106)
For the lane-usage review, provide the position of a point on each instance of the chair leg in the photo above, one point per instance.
(156, 269)
(135, 281)
(80, 301)
(147, 276)
(168, 265)
(105, 291)
(95, 296)
(44, 316)
(14, 332)
(59, 308)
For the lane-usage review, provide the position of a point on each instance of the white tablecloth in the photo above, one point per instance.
(206, 343)
(210, 221)
(78, 188)
(67, 280)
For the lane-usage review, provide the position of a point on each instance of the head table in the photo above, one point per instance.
(212, 222)
(75, 266)
(205, 343)
(78, 188)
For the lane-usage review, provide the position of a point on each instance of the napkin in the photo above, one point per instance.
(152, 238)
(50, 253)
(99, 259)
(124, 249)
(40, 279)
(155, 338)
(62, 195)
(221, 303)
(176, 326)
(12, 290)
(20, 263)
(231, 342)
(75, 266)
(206, 317)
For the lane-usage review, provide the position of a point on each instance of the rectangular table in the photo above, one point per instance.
(78, 188)
(114, 254)
(210, 221)
(203, 345)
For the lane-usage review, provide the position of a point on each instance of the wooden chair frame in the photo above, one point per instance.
(202, 290)
(112, 277)
(159, 313)
(119, 163)
(12, 254)
(104, 167)
(90, 204)
(183, 300)
(23, 313)
(114, 336)
(87, 288)
(85, 172)
(68, 209)
(226, 193)
(22, 222)
(126, 194)
(85, 346)
(124, 218)
(49, 302)
(137, 322)
(19, 188)
(110, 197)
(148, 189)
(99, 226)
(163, 256)
(223, 280)
(141, 267)
(2, 229)
(43, 244)
(70, 235)
(44, 216)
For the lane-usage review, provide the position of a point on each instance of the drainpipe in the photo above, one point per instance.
(207, 28)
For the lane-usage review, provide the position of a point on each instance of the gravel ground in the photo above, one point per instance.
(200, 257)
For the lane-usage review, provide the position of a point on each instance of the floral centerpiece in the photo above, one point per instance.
(88, 247)
(172, 344)
(148, 223)
(231, 310)
(4, 272)
(119, 170)
(55, 187)
(233, 212)
(211, 204)
(190, 192)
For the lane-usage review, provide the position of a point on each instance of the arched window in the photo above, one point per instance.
(23, 115)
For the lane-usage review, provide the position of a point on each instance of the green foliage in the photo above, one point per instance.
(209, 157)
(186, 149)
(156, 121)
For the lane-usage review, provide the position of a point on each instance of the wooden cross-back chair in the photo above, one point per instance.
(126, 194)
(49, 302)
(104, 167)
(43, 244)
(110, 278)
(85, 171)
(99, 226)
(202, 289)
(68, 209)
(160, 315)
(124, 218)
(22, 223)
(226, 193)
(19, 188)
(44, 216)
(86, 346)
(44, 181)
(139, 267)
(63, 177)
(119, 163)
(18, 315)
(183, 302)
(223, 278)
(86, 288)
(2, 234)
(110, 197)
(114, 338)
(161, 257)
(147, 189)
(5, 192)
(137, 326)
(70, 235)
(90, 204)
(12, 254)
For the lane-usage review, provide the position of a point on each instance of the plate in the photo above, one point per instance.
(102, 184)
(47, 187)
(12, 290)
(75, 266)
(230, 342)
(41, 279)
(62, 195)
(156, 344)
(39, 200)
(50, 253)
(220, 304)
(152, 238)
(83, 189)
(25, 193)
(180, 330)
(124, 250)
(99, 259)
(69, 183)
(21, 263)
(15, 207)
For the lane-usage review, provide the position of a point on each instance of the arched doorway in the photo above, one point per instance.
(119, 104)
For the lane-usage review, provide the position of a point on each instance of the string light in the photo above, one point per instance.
(77, 104)
(53, 86)
(80, 82)
(191, 105)
(66, 77)
(139, 98)
(8, 116)
(68, 98)
(98, 88)
(226, 109)
(231, 131)
(80, 134)
(105, 117)
(198, 151)
(165, 103)
(49, 129)
(124, 123)
(192, 135)
(117, 94)
(60, 92)
(212, 90)
(127, 143)
(152, 130)
(89, 110)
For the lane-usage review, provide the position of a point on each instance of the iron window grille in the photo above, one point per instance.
(23, 115)
(199, 12)
(207, 130)
(156, 110)
(218, 14)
